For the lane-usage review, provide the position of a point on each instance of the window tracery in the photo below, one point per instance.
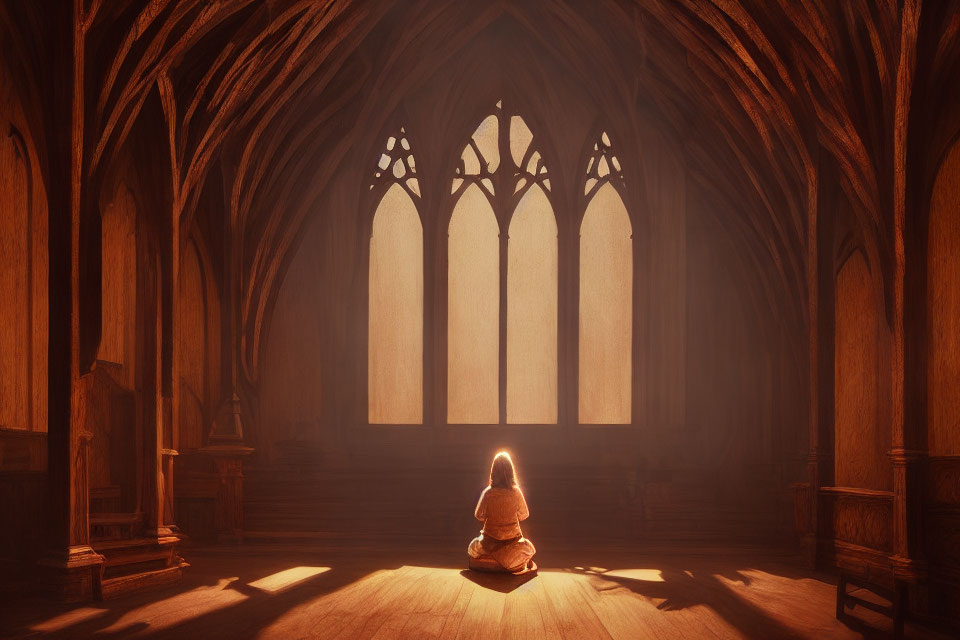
(502, 367)
(606, 293)
(502, 284)
(395, 323)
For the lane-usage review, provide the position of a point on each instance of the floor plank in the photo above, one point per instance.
(425, 593)
(575, 618)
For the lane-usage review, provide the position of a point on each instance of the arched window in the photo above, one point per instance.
(473, 311)
(606, 294)
(532, 312)
(501, 184)
(395, 356)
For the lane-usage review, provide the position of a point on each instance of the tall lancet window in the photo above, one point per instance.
(502, 280)
(606, 293)
(395, 358)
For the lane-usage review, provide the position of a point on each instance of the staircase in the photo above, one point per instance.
(131, 562)
(137, 563)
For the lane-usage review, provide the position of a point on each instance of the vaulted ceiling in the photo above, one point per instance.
(760, 95)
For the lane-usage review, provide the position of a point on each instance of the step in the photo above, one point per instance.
(137, 563)
(118, 553)
(111, 588)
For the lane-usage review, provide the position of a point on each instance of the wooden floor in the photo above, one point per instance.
(363, 592)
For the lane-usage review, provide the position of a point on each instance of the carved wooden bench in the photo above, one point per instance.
(897, 597)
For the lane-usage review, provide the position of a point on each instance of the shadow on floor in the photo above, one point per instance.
(681, 589)
(219, 596)
(241, 610)
(502, 582)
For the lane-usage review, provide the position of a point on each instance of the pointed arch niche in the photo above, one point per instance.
(606, 294)
(395, 350)
(502, 287)
(861, 444)
(23, 272)
(943, 310)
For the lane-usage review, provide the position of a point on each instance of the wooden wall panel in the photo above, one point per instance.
(859, 517)
(291, 393)
(666, 303)
(725, 351)
(14, 278)
(943, 311)
(23, 270)
(861, 440)
(941, 522)
(113, 457)
(199, 336)
(119, 277)
(943, 512)
(23, 466)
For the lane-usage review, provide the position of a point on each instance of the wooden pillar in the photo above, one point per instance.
(908, 454)
(228, 461)
(170, 435)
(820, 456)
(171, 388)
(71, 565)
(150, 396)
(225, 443)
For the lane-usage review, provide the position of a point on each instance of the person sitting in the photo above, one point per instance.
(501, 545)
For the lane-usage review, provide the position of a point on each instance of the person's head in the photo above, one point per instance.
(502, 473)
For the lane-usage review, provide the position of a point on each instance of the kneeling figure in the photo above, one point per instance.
(501, 544)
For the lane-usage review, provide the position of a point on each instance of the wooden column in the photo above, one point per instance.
(908, 454)
(71, 564)
(170, 352)
(820, 456)
(225, 443)
(150, 397)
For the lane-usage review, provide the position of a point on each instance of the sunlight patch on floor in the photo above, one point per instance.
(646, 575)
(179, 608)
(286, 578)
(68, 619)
